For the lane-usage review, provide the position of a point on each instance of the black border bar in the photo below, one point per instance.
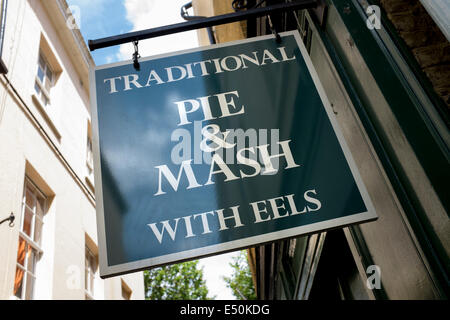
(198, 24)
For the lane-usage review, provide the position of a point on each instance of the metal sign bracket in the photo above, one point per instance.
(202, 23)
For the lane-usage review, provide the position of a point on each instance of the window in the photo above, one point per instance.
(337, 276)
(44, 80)
(29, 252)
(89, 274)
(89, 178)
(89, 153)
(49, 70)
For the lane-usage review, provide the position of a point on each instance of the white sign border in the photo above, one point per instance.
(110, 271)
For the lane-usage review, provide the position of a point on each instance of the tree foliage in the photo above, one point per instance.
(183, 281)
(240, 282)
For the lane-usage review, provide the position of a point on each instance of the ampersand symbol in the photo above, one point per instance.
(212, 136)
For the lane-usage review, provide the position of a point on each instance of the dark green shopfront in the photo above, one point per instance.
(389, 89)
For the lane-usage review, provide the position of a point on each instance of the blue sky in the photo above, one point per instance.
(103, 18)
(99, 18)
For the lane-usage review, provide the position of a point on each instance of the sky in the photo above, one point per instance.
(103, 18)
(214, 268)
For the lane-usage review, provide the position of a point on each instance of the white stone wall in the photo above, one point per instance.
(49, 145)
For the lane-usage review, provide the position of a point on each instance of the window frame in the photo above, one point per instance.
(30, 244)
(89, 150)
(41, 84)
(90, 270)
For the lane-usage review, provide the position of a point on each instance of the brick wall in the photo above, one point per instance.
(427, 43)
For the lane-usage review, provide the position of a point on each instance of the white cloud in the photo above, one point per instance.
(89, 9)
(145, 14)
(89, 14)
(214, 268)
(109, 58)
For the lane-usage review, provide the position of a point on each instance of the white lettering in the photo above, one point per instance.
(186, 167)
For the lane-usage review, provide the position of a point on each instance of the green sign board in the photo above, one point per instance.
(215, 149)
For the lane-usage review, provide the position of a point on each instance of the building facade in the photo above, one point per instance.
(46, 172)
(385, 67)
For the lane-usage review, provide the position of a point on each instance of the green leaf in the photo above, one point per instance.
(183, 281)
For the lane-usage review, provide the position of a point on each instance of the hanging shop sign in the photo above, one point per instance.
(215, 149)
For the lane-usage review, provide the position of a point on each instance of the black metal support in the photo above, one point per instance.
(136, 56)
(185, 15)
(200, 23)
(274, 31)
(11, 219)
